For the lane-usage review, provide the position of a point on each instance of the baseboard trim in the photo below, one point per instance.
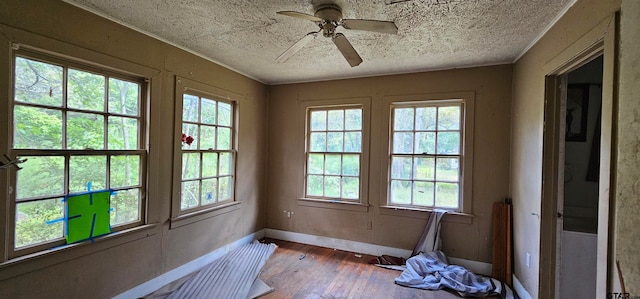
(366, 248)
(520, 289)
(179, 272)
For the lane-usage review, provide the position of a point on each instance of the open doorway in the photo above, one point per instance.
(576, 258)
(577, 153)
(569, 67)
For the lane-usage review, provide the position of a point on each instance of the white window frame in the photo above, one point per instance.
(466, 101)
(186, 216)
(362, 203)
(68, 62)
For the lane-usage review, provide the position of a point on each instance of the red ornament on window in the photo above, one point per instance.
(186, 139)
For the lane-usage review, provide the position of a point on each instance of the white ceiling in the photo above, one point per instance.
(247, 35)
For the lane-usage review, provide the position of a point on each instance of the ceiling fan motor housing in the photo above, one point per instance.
(331, 15)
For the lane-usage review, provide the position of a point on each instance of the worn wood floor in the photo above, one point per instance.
(303, 271)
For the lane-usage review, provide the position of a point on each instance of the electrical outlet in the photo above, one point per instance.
(528, 260)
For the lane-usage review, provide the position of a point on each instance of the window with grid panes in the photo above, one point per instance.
(208, 162)
(426, 161)
(78, 127)
(334, 150)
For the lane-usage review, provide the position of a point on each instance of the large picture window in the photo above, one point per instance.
(79, 128)
(208, 151)
(334, 150)
(426, 159)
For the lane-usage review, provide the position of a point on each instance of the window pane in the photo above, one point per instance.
(334, 141)
(315, 185)
(447, 195)
(123, 133)
(208, 112)
(332, 186)
(40, 176)
(403, 143)
(209, 164)
(403, 119)
(31, 222)
(224, 190)
(37, 128)
(335, 120)
(353, 119)
(449, 143)
(318, 120)
(426, 118)
(38, 82)
(209, 191)
(123, 97)
(350, 187)
(190, 166)
(85, 90)
(425, 143)
(447, 169)
(125, 171)
(316, 164)
(351, 165)
(224, 138)
(190, 130)
(401, 168)
(318, 142)
(423, 193)
(189, 194)
(126, 206)
(224, 114)
(353, 142)
(87, 169)
(190, 109)
(85, 131)
(424, 168)
(400, 192)
(449, 118)
(207, 137)
(333, 164)
(225, 164)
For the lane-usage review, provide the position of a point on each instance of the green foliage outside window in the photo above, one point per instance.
(425, 159)
(99, 113)
(333, 159)
(207, 163)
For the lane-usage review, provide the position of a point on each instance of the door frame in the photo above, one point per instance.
(601, 40)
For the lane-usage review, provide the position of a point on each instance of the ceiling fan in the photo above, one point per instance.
(328, 17)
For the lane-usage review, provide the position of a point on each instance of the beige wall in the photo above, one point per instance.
(527, 124)
(109, 267)
(462, 237)
(627, 239)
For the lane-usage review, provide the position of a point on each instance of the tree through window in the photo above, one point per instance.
(426, 145)
(334, 150)
(77, 127)
(208, 160)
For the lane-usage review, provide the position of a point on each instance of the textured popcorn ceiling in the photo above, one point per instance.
(247, 35)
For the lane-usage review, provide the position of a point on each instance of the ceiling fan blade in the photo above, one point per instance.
(296, 47)
(300, 15)
(370, 25)
(347, 49)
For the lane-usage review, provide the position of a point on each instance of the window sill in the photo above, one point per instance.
(333, 204)
(35, 261)
(455, 217)
(200, 215)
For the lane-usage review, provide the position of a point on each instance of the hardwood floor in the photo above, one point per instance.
(304, 271)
